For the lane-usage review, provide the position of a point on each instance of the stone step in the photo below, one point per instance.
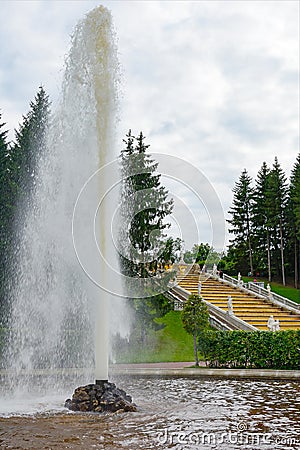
(255, 311)
(246, 306)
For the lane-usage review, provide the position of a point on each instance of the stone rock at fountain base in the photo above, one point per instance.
(100, 398)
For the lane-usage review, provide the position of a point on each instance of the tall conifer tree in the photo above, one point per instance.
(29, 146)
(262, 220)
(241, 221)
(145, 206)
(293, 211)
(18, 164)
(5, 209)
(277, 213)
(144, 209)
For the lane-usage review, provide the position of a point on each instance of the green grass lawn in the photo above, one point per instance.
(288, 292)
(172, 343)
(169, 344)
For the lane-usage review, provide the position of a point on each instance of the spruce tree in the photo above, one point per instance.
(275, 221)
(293, 212)
(241, 222)
(262, 220)
(29, 146)
(277, 213)
(5, 210)
(144, 209)
(18, 164)
(4, 174)
(145, 206)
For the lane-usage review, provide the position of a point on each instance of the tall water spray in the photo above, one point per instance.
(55, 308)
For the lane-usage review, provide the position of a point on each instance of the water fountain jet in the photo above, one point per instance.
(54, 306)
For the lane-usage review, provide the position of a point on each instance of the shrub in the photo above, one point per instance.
(255, 349)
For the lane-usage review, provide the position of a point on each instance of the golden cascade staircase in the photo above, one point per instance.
(246, 306)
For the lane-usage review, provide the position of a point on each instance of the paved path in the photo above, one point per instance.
(177, 369)
(159, 365)
(185, 369)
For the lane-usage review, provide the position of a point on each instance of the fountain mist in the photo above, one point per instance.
(53, 303)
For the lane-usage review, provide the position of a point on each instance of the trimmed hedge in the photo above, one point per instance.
(251, 349)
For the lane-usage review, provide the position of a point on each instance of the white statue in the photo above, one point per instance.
(269, 290)
(214, 271)
(181, 261)
(229, 306)
(276, 325)
(271, 322)
(199, 288)
(240, 281)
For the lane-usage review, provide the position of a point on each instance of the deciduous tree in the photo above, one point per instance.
(195, 319)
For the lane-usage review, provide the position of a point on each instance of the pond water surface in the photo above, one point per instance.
(177, 413)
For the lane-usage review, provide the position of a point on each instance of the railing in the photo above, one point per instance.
(219, 325)
(272, 297)
(179, 295)
(230, 320)
(258, 288)
(256, 283)
(231, 280)
(177, 299)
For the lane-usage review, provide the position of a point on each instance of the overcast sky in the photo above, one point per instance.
(215, 83)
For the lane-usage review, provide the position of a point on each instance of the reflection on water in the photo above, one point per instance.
(177, 413)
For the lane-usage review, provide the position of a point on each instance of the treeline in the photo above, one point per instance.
(18, 164)
(265, 224)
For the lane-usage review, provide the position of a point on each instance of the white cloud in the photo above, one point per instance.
(215, 83)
